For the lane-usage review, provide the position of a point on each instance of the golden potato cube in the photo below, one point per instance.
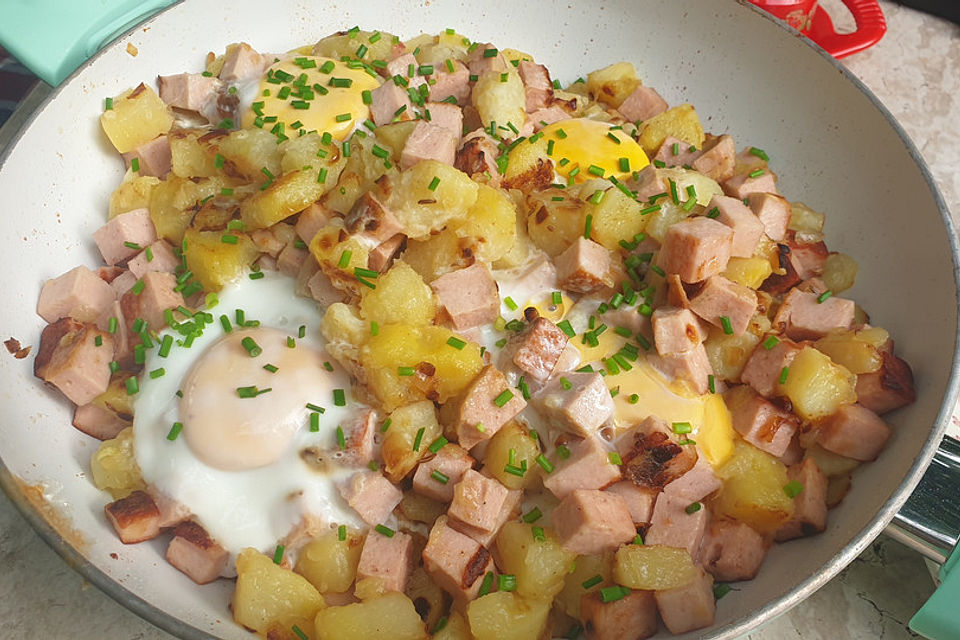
(401, 296)
(114, 468)
(137, 116)
(286, 195)
(831, 464)
(681, 122)
(214, 262)
(662, 219)
(750, 272)
(554, 225)
(715, 436)
(341, 324)
(526, 158)
(338, 258)
(816, 385)
(804, 219)
(491, 224)
(357, 175)
(857, 351)
(505, 615)
(395, 134)
(132, 194)
(519, 253)
(345, 44)
(190, 157)
(704, 187)
(653, 567)
(839, 272)
(612, 85)
(419, 508)
(539, 565)
(729, 353)
(455, 628)
(301, 151)
(431, 600)
(502, 102)
(412, 429)
(330, 564)
(116, 399)
(267, 596)
(401, 345)
(615, 218)
(752, 491)
(173, 204)
(512, 445)
(585, 569)
(391, 615)
(247, 152)
(421, 209)
(439, 254)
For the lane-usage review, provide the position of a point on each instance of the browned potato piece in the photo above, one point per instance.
(214, 262)
(611, 85)
(330, 564)
(391, 615)
(269, 597)
(136, 116)
(752, 489)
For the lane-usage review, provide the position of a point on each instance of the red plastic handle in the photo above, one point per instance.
(871, 26)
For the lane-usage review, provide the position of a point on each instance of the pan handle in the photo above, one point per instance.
(52, 38)
(871, 26)
(929, 522)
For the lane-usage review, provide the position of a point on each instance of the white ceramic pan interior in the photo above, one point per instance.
(832, 145)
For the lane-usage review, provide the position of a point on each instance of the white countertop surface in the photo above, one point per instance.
(915, 71)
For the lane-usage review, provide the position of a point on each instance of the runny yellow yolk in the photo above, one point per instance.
(587, 143)
(231, 432)
(320, 94)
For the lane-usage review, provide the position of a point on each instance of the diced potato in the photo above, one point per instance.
(752, 491)
(330, 564)
(329, 251)
(438, 254)
(750, 272)
(431, 600)
(522, 246)
(585, 568)
(214, 262)
(346, 44)
(138, 116)
(189, 156)
(804, 219)
(857, 351)
(831, 464)
(653, 567)
(491, 224)
(421, 209)
(268, 597)
(116, 399)
(817, 386)
(839, 272)
(661, 220)
(456, 628)
(729, 353)
(502, 102)
(247, 152)
(401, 296)
(442, 49)
(419, 508)
(616, 218)
(172, 203)
(114, 468)
(395, 134)
(611, 85)
(715, 435)
(704, 187)
(525, 158)
(412, 429)
(403, 345)
(513, 54)
(554, 225)
(680, 122)
(512, 437)
(286, 195)
(341, 324)
(360, 173)
(505, 615)
(539, 565)
(391, 615)
(132, 194)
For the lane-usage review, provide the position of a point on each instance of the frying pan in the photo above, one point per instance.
(832, 144)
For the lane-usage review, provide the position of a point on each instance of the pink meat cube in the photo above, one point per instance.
(762, 371)
(722, 298)
(650, 456)
(804, 316)
(311, 220)
(135, 518)
(477, 500)
(590, 521)
(372, 496)
(675, 524)
(536, 82)
(773, 211)
(390, 102)
(537, 348)
(675, 152)
(125, 235)
(478, 416)
(320, 287)
(576, 402)
(242, 63)
(188, 91)
(469, 296)
(761, 423)
(888, 388)
(157, 257)
(370, 219)
(448, 84)
(742, 185)
(479, 63)
(79, 293)
(387, 559)
(584, 266)
(509, 511)
(94, 420)
(588, 467)
(478, 156)
(732, 551)
(456, 562)
(452, 461)
(693, 366)
(647, 183)
(291, 259)
(382, 255)
(266, 241)
(193, 552)
(696, 248)
(747, 228)
(640, 500)
(676, 331)
(448, 116)
(807, 259)
(718, 159)
(154, 158)
(75, 358)
(358, 437)
(172, 512)
(123, 283)
(689, 607)
(156, 296)
(855, 432)
(543, 117)
(696, 484)
(429, 141)
(405, 66)
(810, 505)
(643, 104)
(633, 617)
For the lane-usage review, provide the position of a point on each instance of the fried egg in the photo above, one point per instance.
(227, 428)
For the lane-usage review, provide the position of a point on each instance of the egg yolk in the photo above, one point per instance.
(309, 93)
(236, 414)
(584, 149)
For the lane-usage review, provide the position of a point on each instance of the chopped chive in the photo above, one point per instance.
(137, 288)
(341, 438)
(342, 532)
(406, 371)
(339, 398)
(770, 342)
(417, 441)
(251, 347)
(114, 366)
(614, 593)
(563, 452)
(720, 589)
(344, 259)
(756, 173)
(132, 385)
(278, 554)
(544, 463)
(533, 515)
(505, 396)
(175, 431)
(456, 342)
(314, 422)
(439, 476)
(711, 383)
(165, 345)
(291, 343)
(615, 458)
(507, 582)
(727, 326)
(438, 444)
(556, 297)
(108, 104)
(682, 427)
(693, 508)
(487, 583)
(300, 634)
(566, 384)
(98, 341)
(592, 582)
(434, 184)
(783, 374)
(587, 225)
(823, 296)
(793, 488)
(385, 425)
(385, 530)
(157, 373)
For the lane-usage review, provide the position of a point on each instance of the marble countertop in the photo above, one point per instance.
(915, 71)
